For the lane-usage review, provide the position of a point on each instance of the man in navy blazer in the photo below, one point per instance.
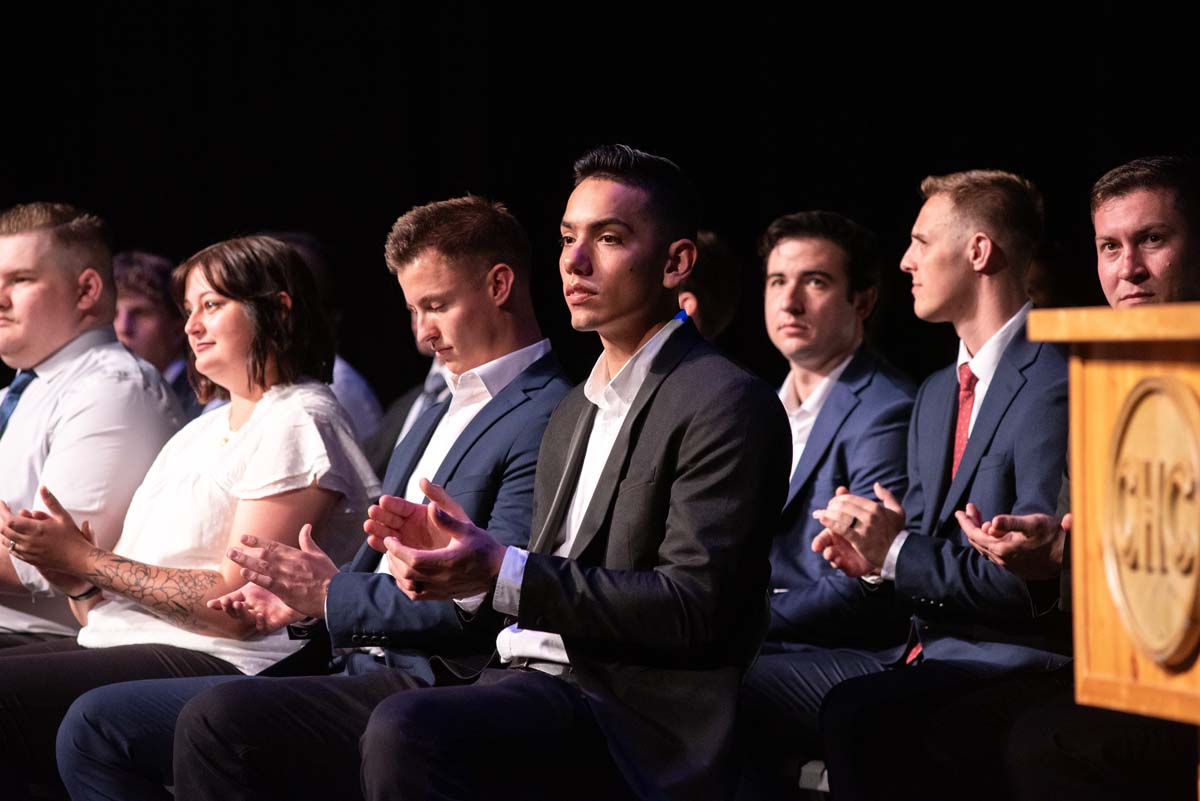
(849, 416)
(988, 436)
(464, 267)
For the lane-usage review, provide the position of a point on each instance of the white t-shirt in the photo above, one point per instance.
(182, 514)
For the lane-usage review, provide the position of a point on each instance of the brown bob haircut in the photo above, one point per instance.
(254, 270)
(1008, 207)
(470, 232)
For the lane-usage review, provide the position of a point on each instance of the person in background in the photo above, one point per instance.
(149, 323)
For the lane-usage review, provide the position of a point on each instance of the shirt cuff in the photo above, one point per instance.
(888, 571)
(507, 598)
(471, 605)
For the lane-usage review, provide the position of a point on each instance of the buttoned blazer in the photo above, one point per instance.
(490, 471)
(965, 607)
(859, 437)
(661, 602)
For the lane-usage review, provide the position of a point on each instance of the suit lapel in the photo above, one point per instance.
(408, 452)
(841, 401)
(673, 350)
(937, 432)
(1006, 383)
(512, 396)
(544, 540)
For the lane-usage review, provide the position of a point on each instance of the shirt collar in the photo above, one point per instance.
(816, 399)
(492, 377)
(622, 388)
(984, 363)
(61, 359)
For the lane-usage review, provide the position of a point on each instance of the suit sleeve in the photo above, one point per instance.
(829, 604)
(722, 502)
(371, 603)
(954, 580)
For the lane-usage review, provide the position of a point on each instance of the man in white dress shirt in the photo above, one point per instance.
(83, 415)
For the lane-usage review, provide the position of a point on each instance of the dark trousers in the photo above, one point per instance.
(263, 738)
(876, 732)
(13, 639)
(1052, 749)
(779, 710)
(512, 734)
(39, 682)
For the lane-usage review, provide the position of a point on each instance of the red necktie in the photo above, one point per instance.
(966, 401)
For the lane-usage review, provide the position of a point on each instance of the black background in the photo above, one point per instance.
(187, 123)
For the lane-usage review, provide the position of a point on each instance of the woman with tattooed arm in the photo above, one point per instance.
(282, 454)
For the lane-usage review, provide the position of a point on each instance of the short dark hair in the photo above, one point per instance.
(672, 196)
(138, 272)
(71, 227)
(715, 280)
(464, 229)
(253, 270)
(863, 257)
(1008, 206)
(1176, 174)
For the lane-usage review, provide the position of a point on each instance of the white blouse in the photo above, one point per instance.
(181, 515)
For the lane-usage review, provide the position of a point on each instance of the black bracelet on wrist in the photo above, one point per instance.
(83, 596)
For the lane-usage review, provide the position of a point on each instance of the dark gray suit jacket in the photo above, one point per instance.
(662, 603)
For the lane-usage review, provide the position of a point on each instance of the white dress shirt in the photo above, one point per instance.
(983, 365)
(802, 415)
(613, 397)
(88, 427)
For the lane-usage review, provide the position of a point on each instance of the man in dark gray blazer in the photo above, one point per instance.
(641, 597)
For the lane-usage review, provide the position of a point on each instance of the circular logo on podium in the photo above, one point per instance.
(1152, 536)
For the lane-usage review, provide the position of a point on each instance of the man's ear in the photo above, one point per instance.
(285, 300)
(864, 302)
(499, 283)
(90, 288)
(681, 258)
(982, 253)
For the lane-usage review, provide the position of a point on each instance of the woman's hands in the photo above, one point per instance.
(50, 540)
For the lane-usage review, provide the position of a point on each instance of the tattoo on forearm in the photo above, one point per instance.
(174, 594)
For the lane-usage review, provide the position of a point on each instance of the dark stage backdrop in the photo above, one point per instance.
(185, 123)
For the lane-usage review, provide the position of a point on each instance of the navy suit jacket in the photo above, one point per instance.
(859, 437)
(965, 607)
(490, 471)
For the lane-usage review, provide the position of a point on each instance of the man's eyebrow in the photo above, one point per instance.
(603, 222)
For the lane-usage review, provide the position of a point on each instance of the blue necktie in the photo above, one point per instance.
(24, 377)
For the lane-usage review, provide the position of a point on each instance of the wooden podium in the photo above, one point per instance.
(1135, 494)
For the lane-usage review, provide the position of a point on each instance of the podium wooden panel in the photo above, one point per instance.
(1137, 489)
